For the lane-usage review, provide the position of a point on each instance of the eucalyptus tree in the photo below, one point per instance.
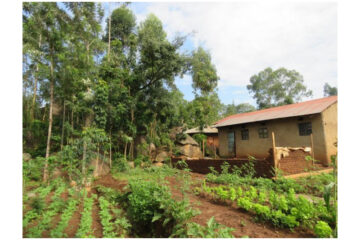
(204, 110)
(203, 72)
(51, 23)
(116, 70)
(32, 39)
(329, 91)
(277, 87)
(86, 29)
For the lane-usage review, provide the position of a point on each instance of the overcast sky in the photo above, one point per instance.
(246, 37)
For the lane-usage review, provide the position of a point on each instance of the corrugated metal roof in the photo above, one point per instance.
(205, 130)
(291, 110)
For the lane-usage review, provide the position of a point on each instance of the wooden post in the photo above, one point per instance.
(274, 150)
(312, 148)
(203, 147)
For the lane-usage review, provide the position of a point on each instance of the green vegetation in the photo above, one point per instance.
(277, 87)
(244, 176)
(94, 102)
(58, 232)
(151, 205)
(285, 210)
(47, 214)
(108, 226)
(211, 230)
(85, 230)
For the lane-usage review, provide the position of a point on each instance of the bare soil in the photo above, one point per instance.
(96, 224)
(110, 182)
(74, 222)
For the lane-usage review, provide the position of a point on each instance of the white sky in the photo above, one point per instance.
(246, 37)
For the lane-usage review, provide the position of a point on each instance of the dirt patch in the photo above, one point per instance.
(96, 221)
(48, 197)
(74, 222)
(64, 195)
(227, 215)
(110, 182)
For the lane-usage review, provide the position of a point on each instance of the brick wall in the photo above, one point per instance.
(294, 163)
(263, 168)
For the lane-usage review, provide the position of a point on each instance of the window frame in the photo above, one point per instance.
(305, 128)
(263, 133)
(245, 137)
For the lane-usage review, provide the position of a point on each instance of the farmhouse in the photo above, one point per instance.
(296, 125)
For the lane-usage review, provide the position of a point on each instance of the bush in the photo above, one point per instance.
(38, 204)
(323, 230)
(152, 210)
(121, 164)
(32, 169)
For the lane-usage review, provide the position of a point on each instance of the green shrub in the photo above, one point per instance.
(323, 230)
(153, 212)
(38, 204)
(121, 164)
(32, 169)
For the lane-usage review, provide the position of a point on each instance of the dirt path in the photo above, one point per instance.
(96, 221)
(110, 182)
(74, 222)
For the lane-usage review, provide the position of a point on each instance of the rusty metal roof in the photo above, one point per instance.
(205, 130)
(291, 110)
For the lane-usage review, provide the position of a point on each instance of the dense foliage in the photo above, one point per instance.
(277, 87)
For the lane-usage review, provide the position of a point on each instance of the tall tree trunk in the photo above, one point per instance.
(110, 149)
(97, 162)
(109, 43)
(125, 150)
(63, 127)
(87, 124)
(46, 173)
(35, 87)
(133, 137)
(83, 168)
(72, 123)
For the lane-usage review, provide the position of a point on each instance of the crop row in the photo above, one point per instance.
(58, 232)
(85, 230)
(56, 206)
(286, 210)
(34, 213)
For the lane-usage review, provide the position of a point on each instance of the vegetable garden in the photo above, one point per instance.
(168, 202)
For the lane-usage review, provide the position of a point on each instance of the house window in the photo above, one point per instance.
(244, 134)
(305, 129)
(231, 143)
(263, 133)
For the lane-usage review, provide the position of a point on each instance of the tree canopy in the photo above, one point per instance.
(277, 87)
(82, 84)
(329, 91)
(232, 109)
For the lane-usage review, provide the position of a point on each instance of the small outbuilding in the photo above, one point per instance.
(304, 124)
(212, 138)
